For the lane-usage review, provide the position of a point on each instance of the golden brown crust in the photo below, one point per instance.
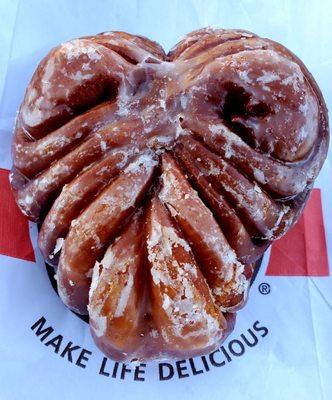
(161, 179)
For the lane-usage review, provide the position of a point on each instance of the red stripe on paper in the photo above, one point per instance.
(14, 227)
(302, 251)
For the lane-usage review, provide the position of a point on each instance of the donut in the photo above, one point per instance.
(160, 179)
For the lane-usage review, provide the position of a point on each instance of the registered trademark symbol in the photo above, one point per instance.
(264, 288)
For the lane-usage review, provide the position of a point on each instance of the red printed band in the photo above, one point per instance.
(302, 252)
(14, 227)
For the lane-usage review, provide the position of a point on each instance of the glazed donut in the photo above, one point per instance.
(160, 180)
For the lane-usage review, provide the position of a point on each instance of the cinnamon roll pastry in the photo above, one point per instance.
(160, 179)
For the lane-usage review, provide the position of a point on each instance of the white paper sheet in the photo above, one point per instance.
(292, 357)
